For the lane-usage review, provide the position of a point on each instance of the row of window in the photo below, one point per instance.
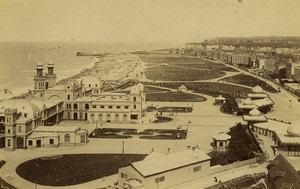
(111, 107)
(75, 106)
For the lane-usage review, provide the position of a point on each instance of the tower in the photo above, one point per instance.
(39, 70)
(51, 77)
(39, 80)
(10, 128)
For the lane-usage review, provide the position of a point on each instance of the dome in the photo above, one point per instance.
(23, 106)
(254, 112)
(257, 89)
(294, 130)
(248, 101)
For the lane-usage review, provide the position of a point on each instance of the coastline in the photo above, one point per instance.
(26, 91)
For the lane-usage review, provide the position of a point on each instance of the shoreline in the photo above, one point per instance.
(26, 91)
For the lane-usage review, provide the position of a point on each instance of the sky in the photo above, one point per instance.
(146, 20)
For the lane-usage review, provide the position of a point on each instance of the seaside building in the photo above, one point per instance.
(56, 136)
(165, 170)
(20, 117)
(117, 107)
(44, 81)
(286, 136)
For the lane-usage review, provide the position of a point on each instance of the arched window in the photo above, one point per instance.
(108, 117)
(67, 138)
(75, 116)
(117, 117)
(68, 97)
(75, 106)
(134, 99)
(92, 116)
(125, 117)
(134, 106)
(68, 115)
(86, 106)
(8, 130)
(100, 117)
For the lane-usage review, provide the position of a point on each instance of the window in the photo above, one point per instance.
(75, 106)
(134, 106)
(124, 117)
(160, 179)
(67, 138)
(8, 131)
(101, 106)
(51, 141)
(117, 117)
(123, 175)
(196, 169)
(86, 106)
(96, 85)
(100, 117)
(110, 107)
(29, 142)
(8, 142)
(25, 115)
(89, 85)
(126, 107)
(82, 138)
(94, 106)
(118, 107)
(20, 129)
(134, 99)
(68, 97)
(221, 143)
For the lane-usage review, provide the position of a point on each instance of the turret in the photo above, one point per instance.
(39, 70)
(50, 68)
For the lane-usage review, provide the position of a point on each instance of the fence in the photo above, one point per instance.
(218, 168)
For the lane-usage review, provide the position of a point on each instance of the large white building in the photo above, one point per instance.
(165, 170)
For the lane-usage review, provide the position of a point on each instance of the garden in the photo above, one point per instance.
(211, 88)
(158, 134)
(71, 169)
(170, 109)
(250, 81)
(174, 97)
(182, 68)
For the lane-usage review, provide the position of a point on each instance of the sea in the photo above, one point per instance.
(18, 59)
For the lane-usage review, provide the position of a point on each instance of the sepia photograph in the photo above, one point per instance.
(149, 94)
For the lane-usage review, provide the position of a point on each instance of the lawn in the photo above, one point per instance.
(251, 81)
(211, 89)
(168, 73)
(166, 134)
(74, 169)
(174, 97)
(170, 109)
(182, 68)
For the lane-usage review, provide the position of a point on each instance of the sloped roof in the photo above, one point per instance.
(22, 105)
(282, 174)
(152, 166)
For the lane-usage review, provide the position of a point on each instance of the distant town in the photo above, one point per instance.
(221, 113)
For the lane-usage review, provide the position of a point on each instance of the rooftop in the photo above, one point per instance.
(56, 129)
(152, 166)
